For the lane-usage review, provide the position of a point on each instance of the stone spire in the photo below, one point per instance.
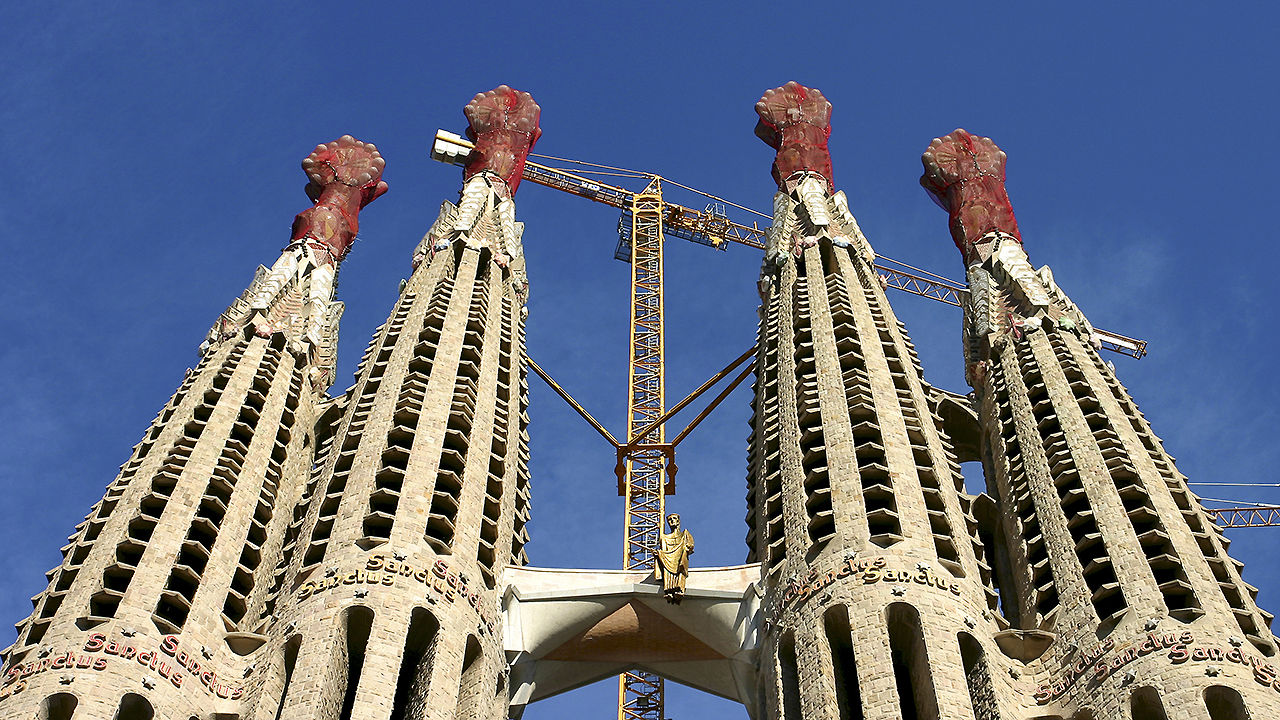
(420, 496)
(296, 296)
(856, 505)
(504, 127)
(1102, 543)
(166, 585)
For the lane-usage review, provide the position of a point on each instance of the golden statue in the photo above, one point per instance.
(672, 568)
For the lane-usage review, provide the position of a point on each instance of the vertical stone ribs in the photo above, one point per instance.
(389, 477)
(388, 480)
(813, 451)
(914, 420)
(246, 597)
(243, 445)
(1209, 538)
(1075, 463)
(118, 575)
(765, 536)
(472, 313)
(1099, 574)
(491, 552)
(1147, 525)
(427, 470)
(1042, 597)
(513, 375)
(840, 406)
(884, 524)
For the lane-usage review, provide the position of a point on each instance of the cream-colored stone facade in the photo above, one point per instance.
(268, 552)
(271, 553)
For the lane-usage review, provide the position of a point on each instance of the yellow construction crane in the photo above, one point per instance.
(646, 463)
(1237, 517)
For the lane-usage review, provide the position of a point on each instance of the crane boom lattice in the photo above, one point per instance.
(1239, 517)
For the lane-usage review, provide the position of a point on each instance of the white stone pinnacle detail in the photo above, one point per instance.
(824, 215)
(812, 191)
(779, 235)
(484, 218)
(285, 271)
(294, 297)
(1011, 260)
(476, 197)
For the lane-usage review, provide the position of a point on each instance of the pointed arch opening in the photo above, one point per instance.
(415, 666)
(135, 707)
(916, 695)
(471, 687)
(977, 676)
(1224, 703)
(840, 639)
(358, 621)
(58, 706)
(789, 674)
(1145, 704)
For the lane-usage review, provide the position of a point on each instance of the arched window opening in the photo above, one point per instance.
(1144, 704)
(415, 667)
(910, 663)
(359, 622)
(58, 706)
(789, 673)
(1224, 703)
(995, 553)
(135, 707)
(290, 661)
(840, 639)
(977, 676)
(471, 688)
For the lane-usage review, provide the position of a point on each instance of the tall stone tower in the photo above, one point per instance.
(271, 553)
(168, 581)
(1105, 554)
(878, 601)
(420, 493)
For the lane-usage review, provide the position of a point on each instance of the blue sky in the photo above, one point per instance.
(155, 157)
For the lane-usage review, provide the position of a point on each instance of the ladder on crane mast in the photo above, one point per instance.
(640, 693)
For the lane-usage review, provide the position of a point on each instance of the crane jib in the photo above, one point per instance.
(713, 229)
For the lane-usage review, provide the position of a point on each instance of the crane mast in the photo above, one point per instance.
(640, 693)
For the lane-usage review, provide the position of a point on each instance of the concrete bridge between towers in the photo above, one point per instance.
(567, 628)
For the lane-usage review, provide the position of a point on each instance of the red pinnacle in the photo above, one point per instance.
(965, 175)
(796, 121)
(345, 175)
(504, 127)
